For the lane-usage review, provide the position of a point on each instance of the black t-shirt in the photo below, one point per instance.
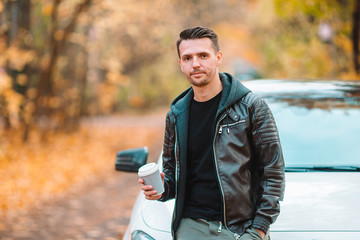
(203, 198)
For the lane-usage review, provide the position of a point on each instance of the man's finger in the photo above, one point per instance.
(153, 197)
(146, 187)
(150, 193)
(141, 181)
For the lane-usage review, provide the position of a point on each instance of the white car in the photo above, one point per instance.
(319, 128)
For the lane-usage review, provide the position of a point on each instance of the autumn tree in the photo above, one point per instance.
(82, 57)
(28, 91)
(316, 36)
(15, 59)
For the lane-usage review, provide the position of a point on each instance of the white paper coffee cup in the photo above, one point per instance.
(151, 175)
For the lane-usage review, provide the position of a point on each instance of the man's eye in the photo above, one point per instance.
(204, 56)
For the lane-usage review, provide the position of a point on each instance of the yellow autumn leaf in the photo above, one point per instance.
(47, 9)
(59, 35)
(22, 79)
(136, 101)
(31, 93)
(14, 100)
(54, 102)
(5, 81)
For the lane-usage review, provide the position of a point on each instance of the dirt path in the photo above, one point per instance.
(99, 211)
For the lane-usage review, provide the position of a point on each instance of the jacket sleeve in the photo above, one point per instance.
(169, 163)
(269, 162)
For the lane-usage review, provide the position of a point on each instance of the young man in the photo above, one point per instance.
(222, 157)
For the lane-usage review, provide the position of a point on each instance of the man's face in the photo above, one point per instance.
(199, 61)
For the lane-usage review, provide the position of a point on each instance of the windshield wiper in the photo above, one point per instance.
(323, 169)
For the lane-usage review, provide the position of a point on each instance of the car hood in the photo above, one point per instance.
(313, 202)
(157, 215)
(320, 201)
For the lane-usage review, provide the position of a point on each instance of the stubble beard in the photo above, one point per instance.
(205, 80)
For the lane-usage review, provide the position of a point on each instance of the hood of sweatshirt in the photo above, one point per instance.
(232, 91)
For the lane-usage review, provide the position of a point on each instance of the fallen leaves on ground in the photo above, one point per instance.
(42, 170)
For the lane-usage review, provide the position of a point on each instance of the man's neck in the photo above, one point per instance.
(205, 93)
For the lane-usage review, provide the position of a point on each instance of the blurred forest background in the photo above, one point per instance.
(63, 61)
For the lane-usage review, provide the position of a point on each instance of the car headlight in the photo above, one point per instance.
(140, 235)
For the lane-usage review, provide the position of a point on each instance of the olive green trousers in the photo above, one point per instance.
(191, 229)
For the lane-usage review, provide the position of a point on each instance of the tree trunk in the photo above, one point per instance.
(5, 20)
(16, 15)
(355, 36)
(56, 45)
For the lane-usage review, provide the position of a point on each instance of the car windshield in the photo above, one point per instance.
(321, 133)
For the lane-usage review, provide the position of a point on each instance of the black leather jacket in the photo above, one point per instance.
(247, 152)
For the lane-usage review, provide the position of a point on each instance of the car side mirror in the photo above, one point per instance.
(131, 160)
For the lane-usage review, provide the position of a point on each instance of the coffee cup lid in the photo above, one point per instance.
(148, 169)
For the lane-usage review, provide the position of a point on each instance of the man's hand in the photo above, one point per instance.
(149, 193)
(261, 233)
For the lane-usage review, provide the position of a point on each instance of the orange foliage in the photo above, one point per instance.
(43, 169)
(136, 101)
(47, 9)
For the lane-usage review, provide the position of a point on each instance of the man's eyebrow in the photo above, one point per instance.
(185, 55)
(197, 53)
(201, 53)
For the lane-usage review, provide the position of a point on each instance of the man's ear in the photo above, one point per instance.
(219, 57)
(180, 65)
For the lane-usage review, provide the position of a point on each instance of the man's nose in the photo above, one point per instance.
(195, 62)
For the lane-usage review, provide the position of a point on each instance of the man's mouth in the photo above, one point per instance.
(197, 73)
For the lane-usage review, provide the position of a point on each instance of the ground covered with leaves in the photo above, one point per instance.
(65, 186)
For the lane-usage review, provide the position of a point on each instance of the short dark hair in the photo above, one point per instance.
(196, 33)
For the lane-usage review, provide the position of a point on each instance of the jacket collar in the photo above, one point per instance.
(233, 91)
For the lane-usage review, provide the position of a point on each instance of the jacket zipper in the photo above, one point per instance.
(176, 178)
(217, 168)
(229, 125)
(237, 236)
